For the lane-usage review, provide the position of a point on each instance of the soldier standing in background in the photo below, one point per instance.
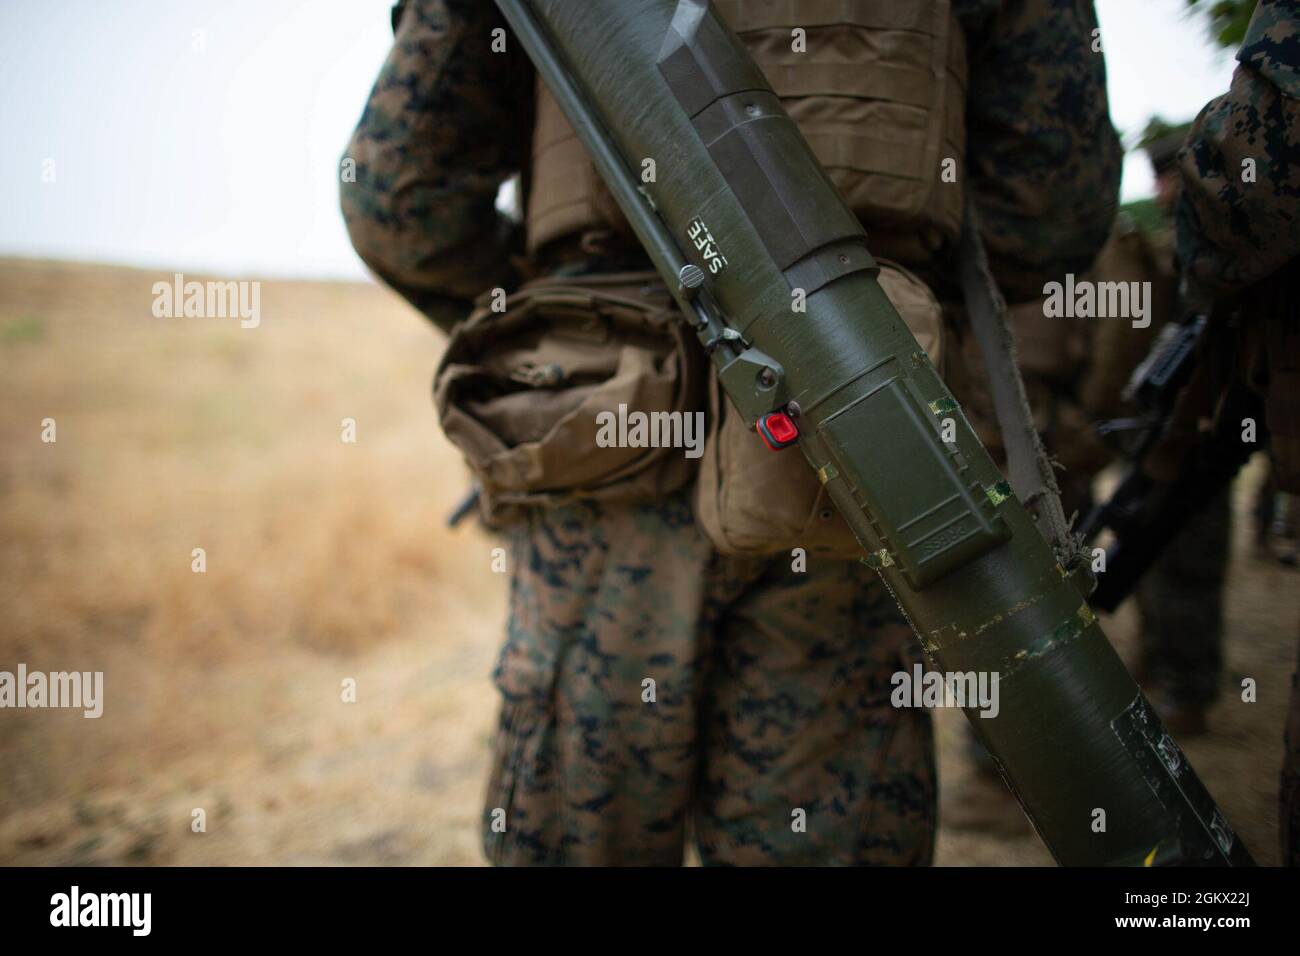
(1238, 236)
(769, 728)
(1180, 599)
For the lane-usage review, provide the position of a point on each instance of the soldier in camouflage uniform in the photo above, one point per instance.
(1180, 598)
(1238, 223)
(771, 737)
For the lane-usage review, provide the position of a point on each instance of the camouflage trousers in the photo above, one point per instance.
(652, 688)
(1181, 600)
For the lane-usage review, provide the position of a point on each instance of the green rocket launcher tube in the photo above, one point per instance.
(741, 222)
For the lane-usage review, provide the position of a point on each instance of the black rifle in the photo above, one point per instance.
(1143, 514)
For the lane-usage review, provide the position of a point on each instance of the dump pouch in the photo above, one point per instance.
(520, 391)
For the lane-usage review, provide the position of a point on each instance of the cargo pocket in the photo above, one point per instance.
(521, 813)
(521, 819)
(523, 392)
(752, 501)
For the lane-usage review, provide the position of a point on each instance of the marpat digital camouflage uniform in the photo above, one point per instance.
(1238, 235)
(1180, 598)
(771, 737)
(1234, 232)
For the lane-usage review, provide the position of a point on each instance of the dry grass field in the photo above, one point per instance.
(326, 561)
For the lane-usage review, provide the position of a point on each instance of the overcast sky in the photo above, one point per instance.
(205, 134)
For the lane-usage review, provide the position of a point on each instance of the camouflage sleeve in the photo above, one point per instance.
(1239, 214)
(1043, 158)
(447, 122)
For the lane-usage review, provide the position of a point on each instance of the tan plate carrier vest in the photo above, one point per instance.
(878, 88)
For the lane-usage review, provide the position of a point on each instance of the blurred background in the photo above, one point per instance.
(148, 137)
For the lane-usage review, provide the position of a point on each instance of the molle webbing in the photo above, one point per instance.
(879, 95)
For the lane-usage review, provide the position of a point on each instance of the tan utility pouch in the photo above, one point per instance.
(519, 391)
(750, 500)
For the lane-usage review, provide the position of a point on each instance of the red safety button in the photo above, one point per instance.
(778, 430)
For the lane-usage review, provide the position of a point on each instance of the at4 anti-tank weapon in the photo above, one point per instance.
(740, 215)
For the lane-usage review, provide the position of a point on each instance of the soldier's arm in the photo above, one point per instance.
(1043, 159)
(1239, 214)
(447, 122)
